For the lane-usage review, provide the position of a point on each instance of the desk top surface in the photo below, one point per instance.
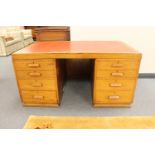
(77, 47)
(77, 50)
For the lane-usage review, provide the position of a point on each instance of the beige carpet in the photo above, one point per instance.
(59, 122)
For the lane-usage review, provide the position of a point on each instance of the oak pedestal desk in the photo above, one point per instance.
(39, 71)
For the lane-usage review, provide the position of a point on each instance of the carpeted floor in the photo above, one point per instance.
(85, 122)
(76, 100)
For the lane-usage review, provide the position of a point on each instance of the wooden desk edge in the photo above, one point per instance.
(76, 55)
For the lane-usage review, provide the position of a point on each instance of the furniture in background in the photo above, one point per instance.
(58, 28)
(26, 35)
(10, 42)
(12, 39)
(53, 33)
(38, 69)
(33, 30)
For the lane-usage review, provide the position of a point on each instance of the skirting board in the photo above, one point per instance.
(146, 75)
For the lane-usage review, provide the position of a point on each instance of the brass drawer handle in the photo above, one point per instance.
(114, 97)
(35, 74)
(117, 65)
(117, 74)
(115, 84)
(33, 65)
(37, 85)
(38, 97)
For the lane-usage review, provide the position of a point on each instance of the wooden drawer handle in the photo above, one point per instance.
(117, 74)
(33, 65)
(114, 97)
(37, 85)
(117, 65)
(38, 97)
(115, 84)
(35, 74)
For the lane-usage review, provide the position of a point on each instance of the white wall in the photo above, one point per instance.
(141, 38)
(5, 27)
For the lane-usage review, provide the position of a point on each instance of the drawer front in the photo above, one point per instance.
(116, 64)
(101, 84)
(34, 75)
(45, 97)
(116, 97)
(43, 64)
(116, 74)
(38, 84)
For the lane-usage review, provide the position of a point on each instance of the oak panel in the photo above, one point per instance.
(124, 84)
(37, 97)
(113, 97)
(42, 64)
(116, 74)
(38, 84)
(116, 64)
(35, 75)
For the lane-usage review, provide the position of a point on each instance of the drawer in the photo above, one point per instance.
(45, 97)
(102, 64)
(42, 64)
(38, 84)
(116, 97)
(34, 75)
(116, 74)
(101, 84)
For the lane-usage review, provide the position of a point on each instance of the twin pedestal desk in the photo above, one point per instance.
(39, 70)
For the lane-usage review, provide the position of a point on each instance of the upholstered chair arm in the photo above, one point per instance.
(2, 46)
(27, 32)
(16, 35)
(3, 33)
